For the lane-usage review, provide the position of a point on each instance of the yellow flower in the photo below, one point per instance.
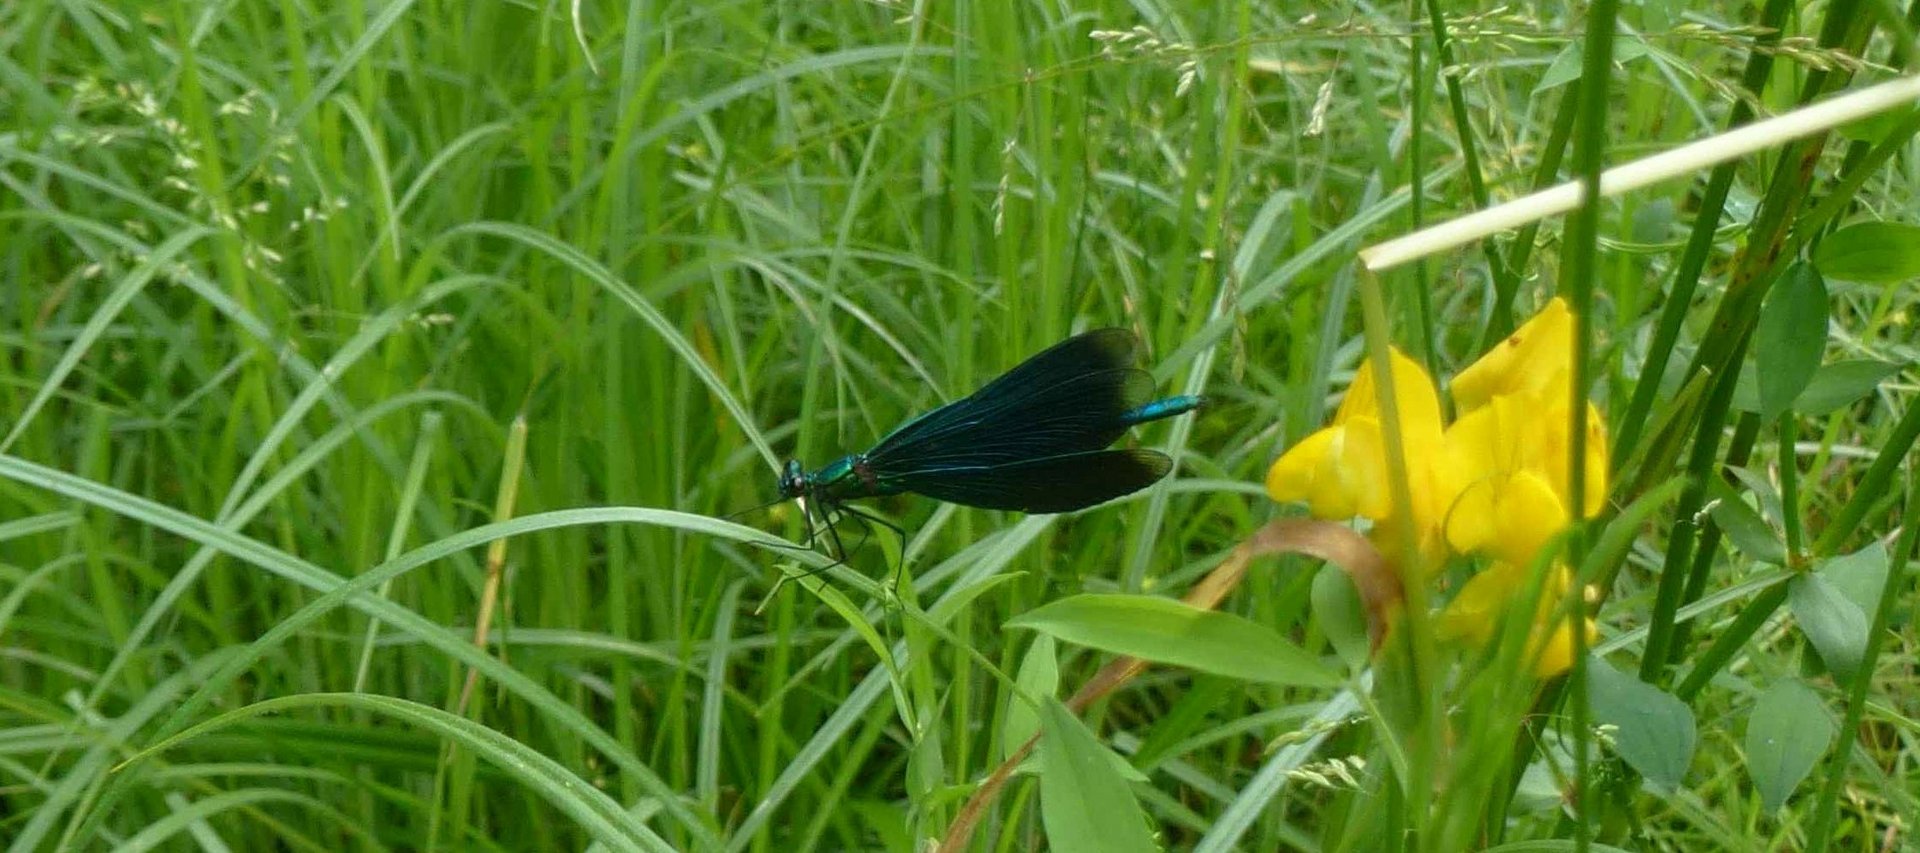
(1495, 483)
(1341, 471)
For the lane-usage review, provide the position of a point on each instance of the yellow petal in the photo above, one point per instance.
(1509, 517)
(1471, 522)
(1556, 655)
(1537, 356)
(1309, 472)
(1528, 516)
(1472, 613)
(1414, 398)
(1362, 464)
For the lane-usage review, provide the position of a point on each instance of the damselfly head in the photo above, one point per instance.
(793, 480)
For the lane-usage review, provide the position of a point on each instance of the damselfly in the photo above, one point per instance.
(1034, 440)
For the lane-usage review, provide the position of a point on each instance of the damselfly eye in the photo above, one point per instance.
(793, 480)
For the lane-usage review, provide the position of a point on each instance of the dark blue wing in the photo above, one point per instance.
(1051, 484)
(1073, 397)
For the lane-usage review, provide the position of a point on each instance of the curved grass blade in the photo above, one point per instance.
(357, 593)
(592, 808)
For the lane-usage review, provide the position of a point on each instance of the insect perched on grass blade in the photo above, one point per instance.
(1034, 440)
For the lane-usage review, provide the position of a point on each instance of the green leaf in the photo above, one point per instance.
(1860, 576)
(1746, 529)
(1835, 625)
(1655, 732)
(1833, 386)
(1746, 388)
(1564, 69)
(1084, 804)
(1039, 678)
(1871, 253)
(1841, 383)
(1790, 338)
(1787, 733)
(926, 761)
(1337, 608)
(1166, 631)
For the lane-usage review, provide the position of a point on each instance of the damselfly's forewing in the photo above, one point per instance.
(1071, 398)
(1060, 483)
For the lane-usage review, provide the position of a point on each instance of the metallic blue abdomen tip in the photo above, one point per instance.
(1164, 409)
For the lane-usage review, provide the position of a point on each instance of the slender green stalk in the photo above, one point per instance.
(1416, 629)
(1706, 229)
(1506, 282)
(1582, 266)
(402, 523)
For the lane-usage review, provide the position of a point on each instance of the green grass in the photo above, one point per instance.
(281, 282)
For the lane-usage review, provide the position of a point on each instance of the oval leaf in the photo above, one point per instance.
(1790, 338)
(1039, 677)
(1564, 69)
(1841, 383)
(1786, 735)
(1339, 612)
(1748, 531)
(1655, 731)
(1871, 253)
(1084, 804)
(1835, 625)
(1860, 576)
(1167, 631)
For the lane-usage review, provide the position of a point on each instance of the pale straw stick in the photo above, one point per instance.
(1646, 171)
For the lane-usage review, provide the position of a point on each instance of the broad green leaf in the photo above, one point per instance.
(1564, 69)
(1655, 732)
(1787, 733)
(1860, 576)
(1746, 388)
(1166, 631)
(1339, 612)
(1841, 383)
(1871, 253)
(1084, 804)
(1629, 48)
(1835, 625)
(1748, 531)
(1790, 338)
(1039, 678)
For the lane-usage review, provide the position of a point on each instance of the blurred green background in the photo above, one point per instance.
(281, 277)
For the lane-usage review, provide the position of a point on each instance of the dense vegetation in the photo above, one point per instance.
(496, 309)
